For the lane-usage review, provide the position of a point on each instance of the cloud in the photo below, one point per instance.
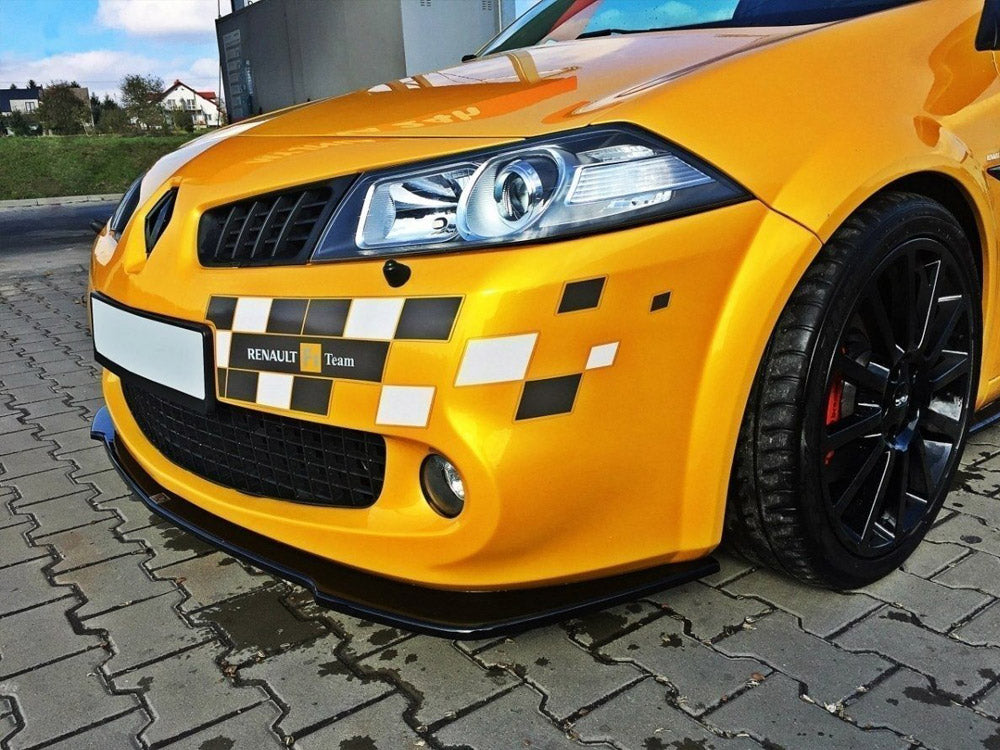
(159, 17)
(204, 68)
(102, 70)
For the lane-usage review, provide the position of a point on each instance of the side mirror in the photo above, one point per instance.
(988, 37)
(466, 58)
(97, 225)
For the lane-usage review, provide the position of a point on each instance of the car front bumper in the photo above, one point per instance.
(631, 474)
(453, 614)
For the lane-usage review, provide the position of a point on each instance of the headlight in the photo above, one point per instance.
(592, 180)
(126, 207)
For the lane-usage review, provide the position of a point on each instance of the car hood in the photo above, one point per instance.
(523, 93)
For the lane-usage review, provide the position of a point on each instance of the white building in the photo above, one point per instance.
(24, 101)
(203, 106)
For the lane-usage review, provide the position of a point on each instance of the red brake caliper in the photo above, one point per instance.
(833, 407)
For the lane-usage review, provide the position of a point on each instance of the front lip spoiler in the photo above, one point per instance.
(985, 418)
(439, 612)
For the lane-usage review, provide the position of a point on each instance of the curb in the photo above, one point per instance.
(60, 201)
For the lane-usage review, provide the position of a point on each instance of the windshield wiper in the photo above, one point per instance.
(609, 32)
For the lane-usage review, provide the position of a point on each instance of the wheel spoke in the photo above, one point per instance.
(878, 500)
(860, 478)
(934, 457)
(939, 423)
(872, 377)
(910, 300)
(854, 428)
(949, 312)
(952, 366)
(902, 478)
(883, 333)
(926, 298)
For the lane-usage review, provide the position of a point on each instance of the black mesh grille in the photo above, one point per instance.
(263, 454)
(274, 229)
(158, 218)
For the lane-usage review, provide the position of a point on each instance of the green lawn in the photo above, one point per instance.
(43, 167)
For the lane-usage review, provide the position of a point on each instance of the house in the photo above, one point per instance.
(202, 105)
(24, 101)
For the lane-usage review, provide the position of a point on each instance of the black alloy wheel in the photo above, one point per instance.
(898, 398)
(859, 411)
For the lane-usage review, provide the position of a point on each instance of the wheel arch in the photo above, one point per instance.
(950, 193)
(961, 185)
(969, 204)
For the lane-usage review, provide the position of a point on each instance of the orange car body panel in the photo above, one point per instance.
(811, 120)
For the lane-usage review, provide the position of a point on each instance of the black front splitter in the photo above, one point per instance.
(985, 418)
(451, 614)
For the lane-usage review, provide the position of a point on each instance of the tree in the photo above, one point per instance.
(61, 111)
(182, 120)
(114, 121)
(141, 99)
(21, 125)
(99, 108)
(32, 84)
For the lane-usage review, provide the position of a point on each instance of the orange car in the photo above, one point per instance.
(488, 346)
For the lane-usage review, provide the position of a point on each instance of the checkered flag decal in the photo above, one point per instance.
(286, 353)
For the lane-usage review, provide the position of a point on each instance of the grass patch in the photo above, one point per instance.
(77, 165)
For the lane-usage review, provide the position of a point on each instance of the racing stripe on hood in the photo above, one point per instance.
(168, 165)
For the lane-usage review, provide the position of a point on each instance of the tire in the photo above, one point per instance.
(858, 415)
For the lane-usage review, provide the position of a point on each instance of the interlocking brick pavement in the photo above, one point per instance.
(119, 630)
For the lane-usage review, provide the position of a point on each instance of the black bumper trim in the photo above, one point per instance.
(985, 418)
(439, 612)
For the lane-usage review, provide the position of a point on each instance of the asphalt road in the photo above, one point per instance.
(42, 236)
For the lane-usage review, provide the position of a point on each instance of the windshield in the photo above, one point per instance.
(563, 20)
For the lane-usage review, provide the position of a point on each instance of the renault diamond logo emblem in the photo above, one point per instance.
(311, 357)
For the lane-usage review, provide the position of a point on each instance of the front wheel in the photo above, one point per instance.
(859, 411)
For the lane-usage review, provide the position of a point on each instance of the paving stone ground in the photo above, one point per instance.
(118, 630)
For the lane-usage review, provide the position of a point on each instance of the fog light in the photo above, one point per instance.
(442, 485)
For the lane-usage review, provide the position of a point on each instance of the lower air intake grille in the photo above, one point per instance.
(263, 454)
(158, 218)
(273, 229)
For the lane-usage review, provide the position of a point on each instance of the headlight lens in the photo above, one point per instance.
(592, 180)
(417, 209)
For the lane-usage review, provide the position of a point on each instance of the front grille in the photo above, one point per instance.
(273, 229)
(263, 454)
(158, 218)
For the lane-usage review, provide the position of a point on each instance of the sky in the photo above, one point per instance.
(97, 42)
